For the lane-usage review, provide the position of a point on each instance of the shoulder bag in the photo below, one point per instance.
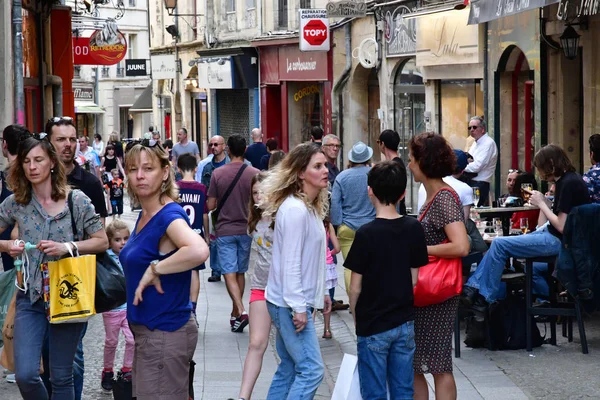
(441, 278)
(110, 281)
(215, 214)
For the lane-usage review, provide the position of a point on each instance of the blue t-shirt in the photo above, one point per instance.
(171, 310)
(254, 153)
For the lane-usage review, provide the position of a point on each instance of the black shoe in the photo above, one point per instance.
(214, 279)
(468, 295)
(107, 378)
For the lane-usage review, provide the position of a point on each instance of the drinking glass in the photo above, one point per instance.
(526, 188)
(475, 196)
(498, 226)
(524, 225)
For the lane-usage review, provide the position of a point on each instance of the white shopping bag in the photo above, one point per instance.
(347, 386)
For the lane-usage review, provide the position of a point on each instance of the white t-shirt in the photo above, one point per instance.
(464, 191)
(485, 155)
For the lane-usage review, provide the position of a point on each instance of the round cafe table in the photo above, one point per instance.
(504, 213)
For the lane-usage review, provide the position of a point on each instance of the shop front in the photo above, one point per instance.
(295, 92)
(86, 110)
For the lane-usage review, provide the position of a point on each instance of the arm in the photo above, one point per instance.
(120, 166)
(546, 213)
(479, 161)
(458, 242)
(292, 224)
(414, 274)
(211, 203)
(206, 231)
(334, 240)
(467, 212)
(355, 289)
(336, 204)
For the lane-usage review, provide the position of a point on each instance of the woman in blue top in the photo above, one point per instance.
(157, 262)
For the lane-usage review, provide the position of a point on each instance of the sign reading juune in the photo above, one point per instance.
(135, 67)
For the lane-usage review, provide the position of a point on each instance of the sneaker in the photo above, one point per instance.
(232, 322)
(339, 306)
(107, 378)
(214, 279)
(10, 378)
(240, 323)
(126, 376)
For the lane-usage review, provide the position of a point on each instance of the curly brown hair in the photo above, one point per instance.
(433, 154)
(22, 187)
(552, 160)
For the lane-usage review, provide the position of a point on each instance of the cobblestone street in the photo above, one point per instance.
(480, 374)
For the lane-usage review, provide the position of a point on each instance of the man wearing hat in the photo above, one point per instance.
(388, 142)
(350, 204)
(464, 191)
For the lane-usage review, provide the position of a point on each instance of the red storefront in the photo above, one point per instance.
(295, 91)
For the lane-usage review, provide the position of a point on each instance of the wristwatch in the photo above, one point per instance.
(153, 268)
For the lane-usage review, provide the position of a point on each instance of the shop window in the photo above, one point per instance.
(305, 110)
(459, 101)
(283, 14)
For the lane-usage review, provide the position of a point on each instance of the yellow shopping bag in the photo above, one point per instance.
(70, 289)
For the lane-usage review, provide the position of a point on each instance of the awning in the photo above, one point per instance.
(488, 10)
(87, 107)
(143, 103)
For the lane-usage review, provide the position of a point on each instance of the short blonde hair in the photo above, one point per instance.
(115, 226)
(157, 154)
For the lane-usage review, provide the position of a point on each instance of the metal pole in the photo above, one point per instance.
(96, 99)
(19, 91)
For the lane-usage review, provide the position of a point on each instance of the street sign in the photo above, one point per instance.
(348, 8)
(136, 67)
(314, 30)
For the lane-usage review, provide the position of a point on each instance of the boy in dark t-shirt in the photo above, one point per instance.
(384, 259)
(193, 201)
(116, 189)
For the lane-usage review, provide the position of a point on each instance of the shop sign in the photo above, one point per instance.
(83, 93)
(136, 67)
(485, 10)
(215, 74)
(579, 8)
(306, 91)
(164, 66)
(446, 39)
(400, 34)
(314, 30)
(348, 8)
(295, 65)
(99, 50)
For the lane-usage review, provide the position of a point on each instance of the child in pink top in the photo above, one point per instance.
(331, 274)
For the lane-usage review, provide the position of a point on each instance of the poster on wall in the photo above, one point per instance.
(400, 34)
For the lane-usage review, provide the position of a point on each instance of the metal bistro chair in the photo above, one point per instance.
(564, 309)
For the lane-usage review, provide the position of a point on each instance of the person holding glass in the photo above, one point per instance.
(526, 182)
(553, 165)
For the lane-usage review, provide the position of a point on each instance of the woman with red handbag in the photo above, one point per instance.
(430, 159)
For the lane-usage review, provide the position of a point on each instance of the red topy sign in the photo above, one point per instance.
(315, 32)
(97, 51)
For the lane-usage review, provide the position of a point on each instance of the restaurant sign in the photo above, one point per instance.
(485, 10)
(400, 34)
(98, 49)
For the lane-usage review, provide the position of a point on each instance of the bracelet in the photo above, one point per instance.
(153, 265)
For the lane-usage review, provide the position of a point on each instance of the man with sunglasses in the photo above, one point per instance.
(485, 154)
(63, 136)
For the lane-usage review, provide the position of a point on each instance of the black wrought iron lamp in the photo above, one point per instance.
(569, 41)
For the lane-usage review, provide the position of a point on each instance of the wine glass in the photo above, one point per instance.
(475, 196)
(524, 225)
(526, 189)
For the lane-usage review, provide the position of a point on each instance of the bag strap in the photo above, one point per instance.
(73, 224)
(434, 197)
(230, 188)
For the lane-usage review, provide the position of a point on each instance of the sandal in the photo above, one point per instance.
(327, 334)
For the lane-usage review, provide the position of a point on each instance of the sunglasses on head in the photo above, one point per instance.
(510, 171)
(150, 143)
(38, 136)
(58, 119)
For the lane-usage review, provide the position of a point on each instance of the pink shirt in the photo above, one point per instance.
(328, 256)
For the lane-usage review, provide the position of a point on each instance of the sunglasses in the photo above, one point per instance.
(472, 128)
(55, 120)
(215, 144)
(510, 171)
(337, 146)
(150, 143)
(40, 136)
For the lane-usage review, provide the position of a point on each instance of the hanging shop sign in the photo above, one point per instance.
(485, 11)
(400, 34)
(99, 49)
(164, 66)
(314, 30)
(216, 73)
(348, 8)
(136, 67)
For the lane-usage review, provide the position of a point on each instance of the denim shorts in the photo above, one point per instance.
(234, 253)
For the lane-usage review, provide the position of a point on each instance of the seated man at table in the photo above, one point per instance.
(553, 165)
(531, 215)
(510, 185)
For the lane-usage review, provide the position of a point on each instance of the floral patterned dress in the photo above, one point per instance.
(434, 324)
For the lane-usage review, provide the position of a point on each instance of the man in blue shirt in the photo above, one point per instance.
(256, 150)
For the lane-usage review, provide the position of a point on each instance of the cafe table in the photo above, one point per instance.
(504, 213)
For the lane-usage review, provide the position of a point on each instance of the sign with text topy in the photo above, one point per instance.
(314, 30)
(97, 50)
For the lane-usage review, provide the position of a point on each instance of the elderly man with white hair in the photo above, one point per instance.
(257, 149)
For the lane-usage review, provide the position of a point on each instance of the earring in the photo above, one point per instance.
(163, 187)
(52, 170)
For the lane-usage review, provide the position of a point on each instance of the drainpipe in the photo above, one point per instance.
(339, 84)
(19, 90)
(96, 93)
(57, 95)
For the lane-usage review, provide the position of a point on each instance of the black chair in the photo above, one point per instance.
(567, 309)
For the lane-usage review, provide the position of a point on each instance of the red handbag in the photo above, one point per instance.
(441, 278)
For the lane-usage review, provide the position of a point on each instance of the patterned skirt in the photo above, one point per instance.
(434, 326)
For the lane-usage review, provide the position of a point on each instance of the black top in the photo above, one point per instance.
(264, 162)
(110, 164)
(383, 252)
(402, 206)
(254, 153)
(570, 192)
(7, 261)
(91, 186)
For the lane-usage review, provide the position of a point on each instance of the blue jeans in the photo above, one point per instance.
(488, 275)
(78, 366)
(31, 327)
(234, 253)
(214, 259)
(301, 369)
(387, 358)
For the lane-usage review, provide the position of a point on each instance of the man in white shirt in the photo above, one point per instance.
(464, 191)
(485, 154)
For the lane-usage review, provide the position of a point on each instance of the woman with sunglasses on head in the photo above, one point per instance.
(295, 196)
(157, 261)
(40, 208)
